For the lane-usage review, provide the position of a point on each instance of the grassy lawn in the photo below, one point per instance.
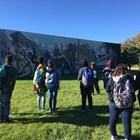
(69, 123)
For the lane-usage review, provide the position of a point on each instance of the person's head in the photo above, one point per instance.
(50, 68)
(92, 65)
(40, 60)
(50, 64)
(84, 63)
(109, 63)
(8, 59)
(30, 54)
(121, 69)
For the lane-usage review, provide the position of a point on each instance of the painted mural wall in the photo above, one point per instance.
(66, 53)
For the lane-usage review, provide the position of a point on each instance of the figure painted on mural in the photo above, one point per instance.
(60, 61)
(25, 65)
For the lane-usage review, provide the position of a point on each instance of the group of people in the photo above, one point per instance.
(120, 86)
(46, 79)
(118, 83)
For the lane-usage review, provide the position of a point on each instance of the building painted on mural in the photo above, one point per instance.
(66, 53)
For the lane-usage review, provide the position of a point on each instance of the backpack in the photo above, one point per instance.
(107, 72)
(53, 81)
(3, 72)
(87, 77)
(39, 80)
(123, 93)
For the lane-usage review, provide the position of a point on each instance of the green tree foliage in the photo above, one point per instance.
(130, 51)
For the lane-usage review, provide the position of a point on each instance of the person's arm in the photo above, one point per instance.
(109, 86)
(80, 74)
(137, 82)
(14, 77)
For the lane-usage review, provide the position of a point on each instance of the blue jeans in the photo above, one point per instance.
(41, 97)
(52, 99)
(126, 115)
(5, 107)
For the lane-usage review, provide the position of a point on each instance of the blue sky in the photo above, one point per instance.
(100, 20)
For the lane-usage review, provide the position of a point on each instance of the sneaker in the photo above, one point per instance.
(128, 139)
(7, 121)
(90, 110)
(83, 110)
(115, 137)
(50, 111)
(10, 112)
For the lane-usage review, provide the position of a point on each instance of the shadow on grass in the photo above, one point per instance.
(99, 116)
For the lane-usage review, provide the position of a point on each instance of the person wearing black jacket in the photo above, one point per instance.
(138, 84)
(120, 73)
(85, 91)
(8, 84)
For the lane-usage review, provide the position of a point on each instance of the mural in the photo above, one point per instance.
(66, 53)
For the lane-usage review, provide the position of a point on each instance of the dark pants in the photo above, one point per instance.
(105, 81)
(86, 92)
(139, 97)
(5, 104)
(126, 115)
(96, 86)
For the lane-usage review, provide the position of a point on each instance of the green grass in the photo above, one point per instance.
(69, 123)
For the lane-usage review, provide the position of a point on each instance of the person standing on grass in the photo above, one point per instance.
(7, 87)
(121, 92)
(85, 90)
(95, 73)
(138, 84)
(39, 83)
(52, 84)
(106, 73)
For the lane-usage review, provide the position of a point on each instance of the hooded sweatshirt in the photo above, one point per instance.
(110, 85)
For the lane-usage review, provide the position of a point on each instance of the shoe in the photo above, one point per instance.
(54, 110)
(128, 139)
(39, 108)
(90, 110)
(50, 111)
(7, 121)
(10, 112)
(115, 137)
(83, 110)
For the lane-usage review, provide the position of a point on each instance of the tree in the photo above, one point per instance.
(130, 51)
